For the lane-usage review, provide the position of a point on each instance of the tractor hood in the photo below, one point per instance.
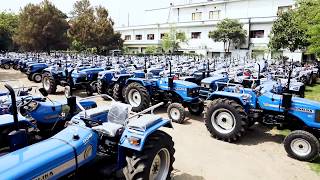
(184, 84)
(216, 78)
(306, 103)
(91, 70)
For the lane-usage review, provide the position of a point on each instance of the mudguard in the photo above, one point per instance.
(7, 120)
(51, 158)
(239, 97)
(142, 135)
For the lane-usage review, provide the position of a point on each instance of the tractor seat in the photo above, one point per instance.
(144, 122)
(91, 113)
(117, 117)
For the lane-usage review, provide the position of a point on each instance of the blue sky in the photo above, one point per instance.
(119, 9)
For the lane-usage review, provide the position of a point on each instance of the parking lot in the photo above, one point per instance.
(259, 155)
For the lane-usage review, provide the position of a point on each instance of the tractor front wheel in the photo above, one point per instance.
(196, 109)
(37, 77)
(6, 66)
(302, 145)
(137, 96)
(117, 92)
(154, 162)
(176, 113)
(226, 120)
(49, 84)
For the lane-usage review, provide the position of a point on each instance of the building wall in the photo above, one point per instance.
(260, 14)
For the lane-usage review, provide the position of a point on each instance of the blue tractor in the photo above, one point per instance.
(141, 92)
(231, 111)
(34, 71)
(112, 82)
(38, 117)
(106, 136)
(81, 78)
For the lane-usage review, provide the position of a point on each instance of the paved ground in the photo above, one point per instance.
(259, 155)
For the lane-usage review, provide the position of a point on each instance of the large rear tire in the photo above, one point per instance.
(302, 145)
(154, 162)
(49, 83)
(226, 120)
(117, 92)
(137, 96)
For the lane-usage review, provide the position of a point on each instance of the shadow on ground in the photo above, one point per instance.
(177, 175)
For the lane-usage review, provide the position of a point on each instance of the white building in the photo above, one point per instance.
(197, 19)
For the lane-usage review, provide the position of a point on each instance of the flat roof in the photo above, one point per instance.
(203, 3)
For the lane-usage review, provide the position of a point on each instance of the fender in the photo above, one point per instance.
(7, 120)
(138, 80)
(142, 136)
(228, 95)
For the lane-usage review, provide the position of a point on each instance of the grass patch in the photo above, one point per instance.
(313, 93)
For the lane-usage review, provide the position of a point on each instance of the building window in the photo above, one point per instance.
(195, 35)
(127, 37)
(150, 36)
(138, 37)
(282, 9)
(196, 16)
(162, 35)
(257, 34)
(214, 15)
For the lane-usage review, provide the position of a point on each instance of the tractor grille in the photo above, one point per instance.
(193, 92)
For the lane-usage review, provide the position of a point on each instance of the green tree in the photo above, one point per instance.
(286, 33)
(151, 50)
(92, 27)
(307, 17)
(8, 26)
(42, 27)
(172, 40)
(229, 32)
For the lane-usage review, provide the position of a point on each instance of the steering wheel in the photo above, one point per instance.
(23, 104)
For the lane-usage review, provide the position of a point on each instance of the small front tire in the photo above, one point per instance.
(302, 145)
(176, 113)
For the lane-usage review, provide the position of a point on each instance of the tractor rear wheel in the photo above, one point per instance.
(49, 83)
(226, 120)
(154, 162)
(37, 77)
(196, 109)
(137, 96)
(117, 92)
(176, 112)
(302, 145)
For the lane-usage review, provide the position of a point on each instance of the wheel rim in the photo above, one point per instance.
(134, 98)
(175, 114)
(301, 147)
(160, 165)
(6, 66)
(46, 83)
(38, 78)
(223, 121)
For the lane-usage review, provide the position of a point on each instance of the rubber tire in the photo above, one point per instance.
(239, 113)
(138, 164)
(145, 98)
(53, 86)
(29, 77)
(314, 142)
(181, 110)
(94, 86)
(15, 67)
(100, 88)
(6, 66)
(198, 111)
(117, 92)
(34, 79)
(89, 90)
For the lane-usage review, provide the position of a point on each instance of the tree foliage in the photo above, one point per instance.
(42, 27)
(151, 50)
(8, 25)
(229, 32)
(93, 28)
(286, 33)
(172, 40)
(307, 16)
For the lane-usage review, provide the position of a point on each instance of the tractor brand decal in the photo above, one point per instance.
(88, 152)
(44, 176)
(303, 110)
(181, 89)
(69, 164)
(86, 139)
(271, 105)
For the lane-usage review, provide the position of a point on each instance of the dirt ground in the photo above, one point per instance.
(259, 155)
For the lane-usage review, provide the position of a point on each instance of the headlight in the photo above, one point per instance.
(193, 92)
(32, 106)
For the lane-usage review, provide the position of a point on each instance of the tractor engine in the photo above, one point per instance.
(108, 145)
